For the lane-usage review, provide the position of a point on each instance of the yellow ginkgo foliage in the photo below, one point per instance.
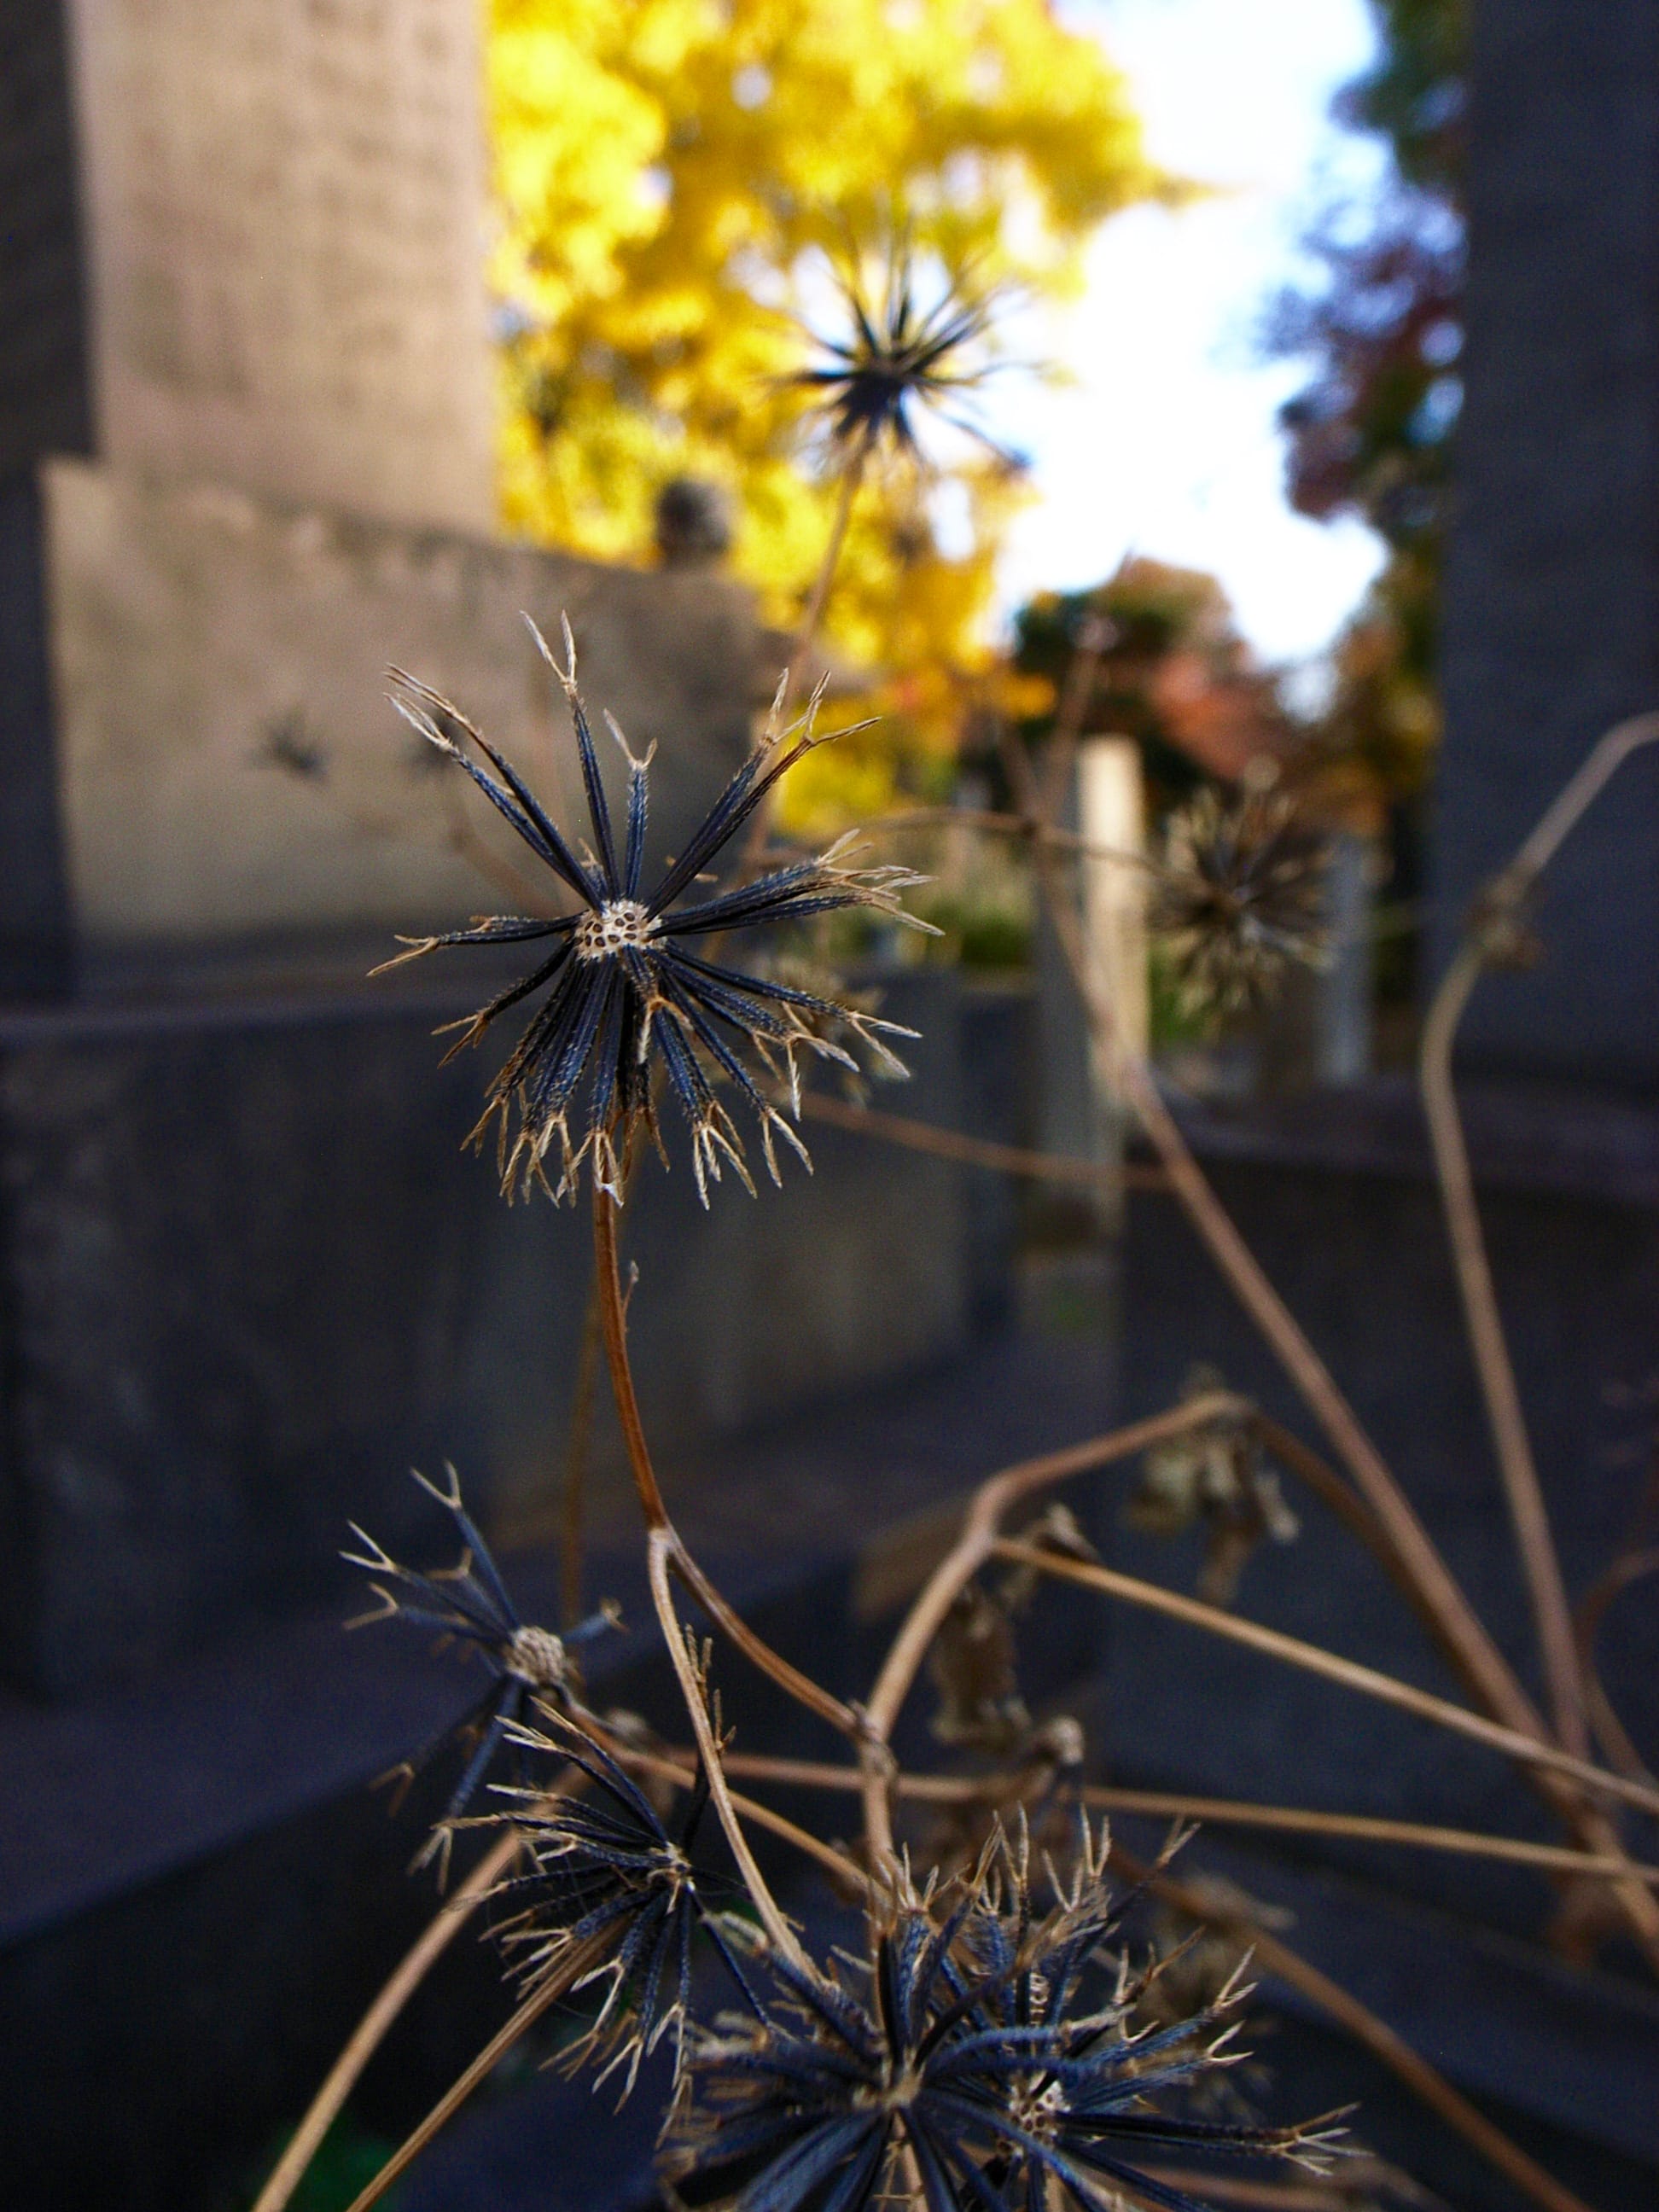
(674, 180)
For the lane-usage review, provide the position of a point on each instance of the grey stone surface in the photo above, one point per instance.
(34, 916)
(285, 226)
(247, 1277)
(45, 401)
(200, 637)
(1553, 577)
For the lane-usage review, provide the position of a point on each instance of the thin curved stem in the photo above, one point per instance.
(1462, 1635)
(1615, 1743)
(569, 1970)
(1007, 1788)
(660, 1550)
(1540, 1563)
(613, 1314)
(371, 2029)
(976, 1152)
(992, 1499)
(1313, 1659)
(1529, 1515)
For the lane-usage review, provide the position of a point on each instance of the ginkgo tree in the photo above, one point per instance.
(676, 182)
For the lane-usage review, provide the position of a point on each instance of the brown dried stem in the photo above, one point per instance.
(1314, 1659)
(570, 1969)
(371, 2030)
(1527, 1512)
(1008, 1788)
(1621, 1752)
(976, 1152)
(973, 1546)
(1461, 1633)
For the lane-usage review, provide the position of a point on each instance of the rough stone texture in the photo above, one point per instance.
(197, 634)
(285, 218)
(45, 384)
(247, 1279)
(34, 917)
(1335, 1199)
(1551, 603)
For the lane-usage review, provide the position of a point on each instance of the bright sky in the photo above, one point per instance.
(1166, 443)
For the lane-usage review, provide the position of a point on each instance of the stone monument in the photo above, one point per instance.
(1551, 614)
(246, 447)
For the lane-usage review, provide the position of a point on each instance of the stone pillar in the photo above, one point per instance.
(1552, 615)
(45, 407)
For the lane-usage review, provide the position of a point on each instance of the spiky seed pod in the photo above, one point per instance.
(469, 1604)
(972, 2058)
(900, 358)
(1238, 897)
(606, 1871)
(620, 985)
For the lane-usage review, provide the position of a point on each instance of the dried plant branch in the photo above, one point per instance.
(1616, 1745)
(570, 1969)
(1277, 1957)
(1314, 1659)
(1006, 1789)
(976, 1152)
(1020, 826)
(371, 2029)
(1461, 1634)
(1495, 917)
(973, 1546)
(613, 1314)
(660, 1552)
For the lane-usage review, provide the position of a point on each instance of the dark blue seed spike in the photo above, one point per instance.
(727, 1958)
(458, 1600)
(690, 1088)
(760, 986)
(1143, 2186)
(573, 1058)
(507, 1709)
(558, 854)
(711, 1040)
(790, 2180)
(499, 929)
(853, 2192)
(475, 1024)
(638, 808)
(748, 1017)
(777, 881)
(543, 1027)
(726, 817)
(599, 808)
(747, 912)
(936, 2186)
(722, 819)
(484, 1570)
(612, 1043)
(543, 1090)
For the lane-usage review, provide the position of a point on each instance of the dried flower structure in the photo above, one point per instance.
(979, 2061)
(1239, 897)
(622, 986)
(469, 1603)
(900, 358)
(606, 1873)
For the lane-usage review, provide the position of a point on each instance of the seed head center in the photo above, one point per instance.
(619, 926)
(537, 1656)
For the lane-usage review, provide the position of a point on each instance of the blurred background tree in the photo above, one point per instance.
(1372, 432)
(676, 181)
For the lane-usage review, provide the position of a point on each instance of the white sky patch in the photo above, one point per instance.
(1164, 442)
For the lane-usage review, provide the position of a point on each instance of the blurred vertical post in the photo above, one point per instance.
(1344, 988)
(1080, 1113)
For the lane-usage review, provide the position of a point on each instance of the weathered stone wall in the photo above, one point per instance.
(285, 231)
(199, 636)
(1552, 619)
